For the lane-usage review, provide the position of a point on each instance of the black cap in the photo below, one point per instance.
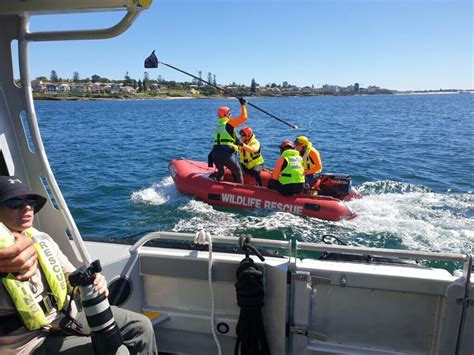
(12, 186)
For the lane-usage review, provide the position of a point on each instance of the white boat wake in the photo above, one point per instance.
(158, 194)
(390, 215)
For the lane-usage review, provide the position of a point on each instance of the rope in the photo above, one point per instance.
(204, 238)
(250, 330)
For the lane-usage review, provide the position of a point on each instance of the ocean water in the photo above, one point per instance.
(411, 156)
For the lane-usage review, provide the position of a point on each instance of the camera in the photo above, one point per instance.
(105, 334)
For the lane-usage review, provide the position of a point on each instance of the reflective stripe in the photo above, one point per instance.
(50, 265)
(29, 310)
(293, 172)
(221, 136)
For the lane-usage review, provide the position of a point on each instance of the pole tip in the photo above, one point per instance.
(295, 127)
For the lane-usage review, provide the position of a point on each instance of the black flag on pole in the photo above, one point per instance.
(151, 61)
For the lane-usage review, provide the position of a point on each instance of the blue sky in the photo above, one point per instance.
(395, 44)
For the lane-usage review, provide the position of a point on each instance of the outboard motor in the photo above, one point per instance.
(105, 334)
(338, 186)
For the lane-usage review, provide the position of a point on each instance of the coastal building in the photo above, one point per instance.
(331, 89)
(64, 88)
(372, 89)
(51, 88)
(115, 88)
(95, 87)
(38, 86)
(127, 90)
(78, 89)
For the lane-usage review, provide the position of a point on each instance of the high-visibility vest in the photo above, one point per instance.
(250, 160)
(293, 172)
(20, 292)
(308, 163)
(221, 136)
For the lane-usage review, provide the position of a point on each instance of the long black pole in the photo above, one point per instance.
(230, 94)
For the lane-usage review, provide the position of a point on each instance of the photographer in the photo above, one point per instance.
(47, 325)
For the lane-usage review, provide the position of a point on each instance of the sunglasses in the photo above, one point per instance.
(16, 203)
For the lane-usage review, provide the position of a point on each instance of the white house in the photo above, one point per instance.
(127, 89)
(63, 88)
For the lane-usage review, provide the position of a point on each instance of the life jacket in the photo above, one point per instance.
(308, 162)
(293, 172)
(222, 137)
(251, 160)
(20, 292)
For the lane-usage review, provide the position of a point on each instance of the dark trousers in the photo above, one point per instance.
(136, 330)
(223, 156)
(255, 172)
(287, 189)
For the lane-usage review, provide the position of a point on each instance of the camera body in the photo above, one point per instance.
(85, 276)
(105, 334)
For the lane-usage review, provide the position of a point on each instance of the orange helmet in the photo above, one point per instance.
(286, 144)
(247, 132)
(223, 111)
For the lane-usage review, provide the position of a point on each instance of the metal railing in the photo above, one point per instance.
(293, 247)
(392, 253)
(267, 243)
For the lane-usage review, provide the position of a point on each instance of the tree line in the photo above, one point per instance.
(146, 84)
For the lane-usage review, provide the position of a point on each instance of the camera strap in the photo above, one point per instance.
(68, 325)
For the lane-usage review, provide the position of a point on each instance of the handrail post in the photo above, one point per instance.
(104, 33)
(467, 272)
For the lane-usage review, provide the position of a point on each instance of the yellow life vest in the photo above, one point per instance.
(20, 292)
(293, 172)
(251, 160)
(222, 137)
(308, 163)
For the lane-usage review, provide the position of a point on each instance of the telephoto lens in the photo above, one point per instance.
(105, 334)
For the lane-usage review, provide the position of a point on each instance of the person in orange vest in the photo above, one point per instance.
(225, 143)
(251, 158)
(288, 174)
(311, 161)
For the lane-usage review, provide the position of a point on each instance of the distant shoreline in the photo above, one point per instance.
(79, 98)
(98, 97)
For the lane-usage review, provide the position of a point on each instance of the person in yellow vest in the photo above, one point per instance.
(288, 174)
(225, 139)
(32, 309)
(251, 158)
(311, 161)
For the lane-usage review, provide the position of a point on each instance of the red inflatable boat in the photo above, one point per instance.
(192, 178)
